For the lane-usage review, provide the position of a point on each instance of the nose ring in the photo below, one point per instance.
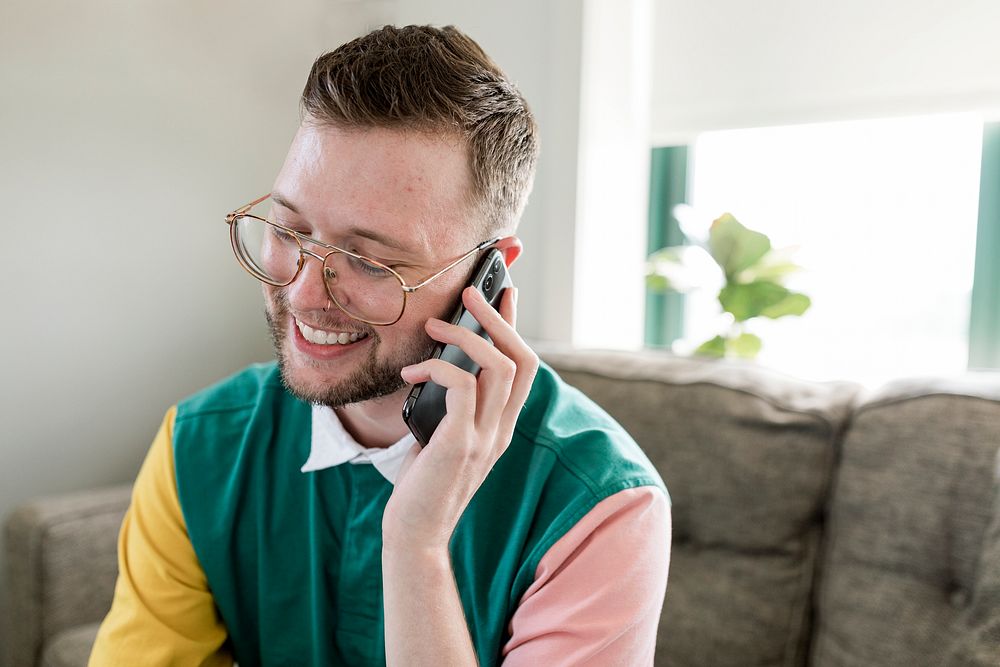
(329, 303)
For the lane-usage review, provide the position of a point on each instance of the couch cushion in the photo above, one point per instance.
(747, 455)
(910, 577)
(71, 648)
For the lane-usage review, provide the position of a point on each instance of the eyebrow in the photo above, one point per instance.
(382, 239)
(279, 199)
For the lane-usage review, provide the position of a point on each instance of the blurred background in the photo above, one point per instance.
(862, 134)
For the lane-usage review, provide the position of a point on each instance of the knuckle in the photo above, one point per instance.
(508, 369)
(529, 365)
(468, 382)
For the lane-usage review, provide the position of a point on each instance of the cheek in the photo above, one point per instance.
(275, 304)
(409, 330)
(270, 296)
(440, 304)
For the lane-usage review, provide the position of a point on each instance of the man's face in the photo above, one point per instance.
(397, 197)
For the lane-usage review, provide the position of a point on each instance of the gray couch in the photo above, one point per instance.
(814, 524)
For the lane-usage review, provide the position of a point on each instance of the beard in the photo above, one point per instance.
(373, 379)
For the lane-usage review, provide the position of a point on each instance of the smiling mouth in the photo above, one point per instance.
(321, 337)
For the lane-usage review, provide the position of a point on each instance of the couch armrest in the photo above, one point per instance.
(980, 645)
(61, 566)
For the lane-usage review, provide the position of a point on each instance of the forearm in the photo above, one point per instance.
(424, 620)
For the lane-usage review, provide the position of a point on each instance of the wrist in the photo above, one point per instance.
(429, 564)
(423, 550)
(427, 538)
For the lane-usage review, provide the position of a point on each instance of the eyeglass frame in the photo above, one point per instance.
(243, 211)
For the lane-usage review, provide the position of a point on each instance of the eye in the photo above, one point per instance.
(281, 234)
(370, 269)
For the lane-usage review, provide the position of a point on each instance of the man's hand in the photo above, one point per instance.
(436, 483)
(424, 620)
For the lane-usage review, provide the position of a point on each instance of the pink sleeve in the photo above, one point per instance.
(598, 591)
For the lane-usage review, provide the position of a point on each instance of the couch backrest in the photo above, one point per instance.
(911, 571)
(62, 565)
(748, 456)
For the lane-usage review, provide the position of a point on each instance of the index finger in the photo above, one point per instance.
(508, 307)
(506, 339)
(498, 324)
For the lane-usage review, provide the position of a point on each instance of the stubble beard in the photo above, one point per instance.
(374, 378)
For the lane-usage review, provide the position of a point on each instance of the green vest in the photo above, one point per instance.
(293, 559)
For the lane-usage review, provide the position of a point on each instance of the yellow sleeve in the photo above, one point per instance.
(162, 613)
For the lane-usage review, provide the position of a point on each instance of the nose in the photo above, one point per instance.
(307, 292)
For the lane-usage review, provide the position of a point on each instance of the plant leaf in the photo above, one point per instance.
(734, 246)
(794, 303)
(716, 347)
(657, 283)
(681, 269)
(773, 266)
(746, 300)
(746, 345)
(673, 254)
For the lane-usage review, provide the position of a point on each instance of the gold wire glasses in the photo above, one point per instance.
(363, 288)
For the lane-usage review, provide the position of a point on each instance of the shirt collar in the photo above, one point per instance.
(332, 445)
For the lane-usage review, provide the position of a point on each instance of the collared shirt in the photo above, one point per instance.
(333, 445)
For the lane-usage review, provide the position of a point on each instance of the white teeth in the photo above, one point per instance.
(320, 337)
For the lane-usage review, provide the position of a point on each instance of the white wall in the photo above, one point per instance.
(730, 63)
(613, 174)
(127, 131)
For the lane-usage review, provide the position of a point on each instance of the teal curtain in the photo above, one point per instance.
(667, 188)
(984, 322)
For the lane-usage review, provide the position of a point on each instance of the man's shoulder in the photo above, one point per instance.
(581, 438)
(230, 427)
(557, 414)
(240, 391)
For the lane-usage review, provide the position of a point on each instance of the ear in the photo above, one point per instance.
(511, 248)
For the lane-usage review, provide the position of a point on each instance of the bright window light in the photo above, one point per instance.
(884, 215)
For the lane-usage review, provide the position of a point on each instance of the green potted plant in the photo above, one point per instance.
(753, 273)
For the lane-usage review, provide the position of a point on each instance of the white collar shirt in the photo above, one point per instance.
(332, 445)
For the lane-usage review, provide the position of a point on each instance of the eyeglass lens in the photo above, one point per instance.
(363, 290)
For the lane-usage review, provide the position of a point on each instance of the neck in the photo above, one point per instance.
(378, 422)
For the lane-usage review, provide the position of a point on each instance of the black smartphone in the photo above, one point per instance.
(424, 408)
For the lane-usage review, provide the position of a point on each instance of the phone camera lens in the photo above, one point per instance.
(488, 283)
(496, 265)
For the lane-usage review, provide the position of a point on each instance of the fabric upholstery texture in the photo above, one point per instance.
(71, 648)
(910, 561)
(979, 645)
(61, 567)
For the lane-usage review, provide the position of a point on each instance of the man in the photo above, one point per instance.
(529, 531)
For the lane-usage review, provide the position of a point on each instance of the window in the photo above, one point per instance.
(884, 215)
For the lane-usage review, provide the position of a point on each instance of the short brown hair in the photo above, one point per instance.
(434, 80)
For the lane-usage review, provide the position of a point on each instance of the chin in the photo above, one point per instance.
(308, 378)
(341, 382)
